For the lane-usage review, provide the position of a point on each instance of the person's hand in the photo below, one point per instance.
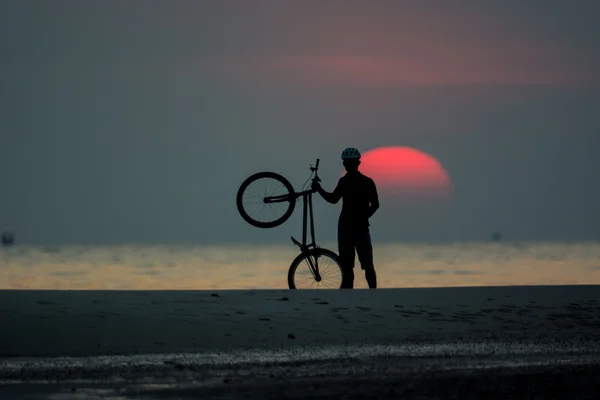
(316, 185)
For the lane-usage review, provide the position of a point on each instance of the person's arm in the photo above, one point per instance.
(334, 196)
(373, 200)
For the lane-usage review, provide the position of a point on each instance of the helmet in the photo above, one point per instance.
(350, 153)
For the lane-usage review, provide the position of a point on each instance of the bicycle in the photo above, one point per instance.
(284, 203)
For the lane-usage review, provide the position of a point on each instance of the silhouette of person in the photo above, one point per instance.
(359, 202)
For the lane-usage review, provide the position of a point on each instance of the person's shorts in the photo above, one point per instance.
(351, 242)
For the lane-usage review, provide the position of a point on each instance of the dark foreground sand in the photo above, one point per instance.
(389, 343)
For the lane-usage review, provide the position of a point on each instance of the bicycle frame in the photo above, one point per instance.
(307, 212)
(306, 206)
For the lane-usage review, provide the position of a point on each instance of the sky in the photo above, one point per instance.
(136, 122)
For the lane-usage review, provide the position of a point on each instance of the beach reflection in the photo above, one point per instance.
(265, 267)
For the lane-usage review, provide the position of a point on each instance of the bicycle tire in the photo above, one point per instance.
(271, 223)
(316, 252)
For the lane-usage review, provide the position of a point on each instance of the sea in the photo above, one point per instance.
(249, 266)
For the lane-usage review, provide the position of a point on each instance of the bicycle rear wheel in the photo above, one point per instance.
(251, 200)
(302, 276)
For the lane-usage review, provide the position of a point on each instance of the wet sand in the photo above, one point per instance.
(374, 378)
(489, 341)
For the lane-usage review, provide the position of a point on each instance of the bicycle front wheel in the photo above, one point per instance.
(266, 200)
(316, 269)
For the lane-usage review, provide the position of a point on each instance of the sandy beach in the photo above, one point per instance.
(181, 337)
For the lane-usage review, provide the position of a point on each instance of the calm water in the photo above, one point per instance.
(265, 267)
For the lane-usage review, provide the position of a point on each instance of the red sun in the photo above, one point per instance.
(406, 171)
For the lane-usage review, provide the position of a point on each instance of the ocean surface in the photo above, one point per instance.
(175, 267)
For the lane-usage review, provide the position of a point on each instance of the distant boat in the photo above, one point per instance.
(8, 239)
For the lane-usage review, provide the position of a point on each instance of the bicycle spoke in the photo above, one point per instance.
(254, 195)
(328, 269)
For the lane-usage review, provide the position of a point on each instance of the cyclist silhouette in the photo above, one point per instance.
(360, 201)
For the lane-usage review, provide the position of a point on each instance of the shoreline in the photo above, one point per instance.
(349, 378)
(477, 287)
(549, 382)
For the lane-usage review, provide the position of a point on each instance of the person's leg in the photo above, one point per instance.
(346, 253)
(371, 277)
(364, 249)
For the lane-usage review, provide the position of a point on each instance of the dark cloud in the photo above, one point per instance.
(137, 121)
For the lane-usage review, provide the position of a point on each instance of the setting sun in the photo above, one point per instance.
(407, 171)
